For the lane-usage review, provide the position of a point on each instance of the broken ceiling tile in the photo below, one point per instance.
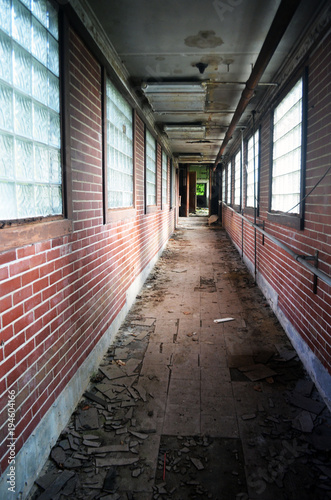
(144, 322)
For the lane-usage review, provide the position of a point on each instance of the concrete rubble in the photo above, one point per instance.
(185, 408)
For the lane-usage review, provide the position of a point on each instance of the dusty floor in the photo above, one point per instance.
(186, 408)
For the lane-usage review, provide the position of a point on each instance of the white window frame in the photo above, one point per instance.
(237, 179)
(151, 172)
(286, 178)
(229, 183)
(253, 164)
(120, 169)
(164, 179)
(31, 185)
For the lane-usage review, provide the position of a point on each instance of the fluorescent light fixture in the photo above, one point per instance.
(176, 97)
(185, 131)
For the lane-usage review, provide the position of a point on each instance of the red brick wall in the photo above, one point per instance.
(308, 313)
(59, 296)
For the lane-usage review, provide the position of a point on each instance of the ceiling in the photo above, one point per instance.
(161, 43)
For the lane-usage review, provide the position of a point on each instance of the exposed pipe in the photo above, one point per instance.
(299, 258)
(277, 29)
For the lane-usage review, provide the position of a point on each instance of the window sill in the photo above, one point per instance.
(290, 220)
(32, 232)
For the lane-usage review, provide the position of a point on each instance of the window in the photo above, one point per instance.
(223, 186)
(252, 170)
(30, 135)
(287, 152)
(150, 169)
(228, 195)
(164, 179)
(237, 179)
(119, 149)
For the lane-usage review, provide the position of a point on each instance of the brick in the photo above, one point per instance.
(22, 294)
(9, 286)
(7, 257)
(12, 315)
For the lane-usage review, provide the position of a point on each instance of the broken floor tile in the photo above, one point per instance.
(197, 463)
(58, 455)
(112, 448)
(57, 485)
(115, 461)
(257, 372)
(87, 419)
(303, 422)
(311, 405)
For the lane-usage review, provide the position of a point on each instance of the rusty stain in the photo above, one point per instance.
(204, 40)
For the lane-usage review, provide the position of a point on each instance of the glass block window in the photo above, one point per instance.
(119, 149)
(252, 175)
(30, 135)
(228, 194)
(286, 158)
(223, 186)
(237, 178)
(164, 178)
(150, 169)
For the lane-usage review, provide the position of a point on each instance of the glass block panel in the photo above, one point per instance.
(39, 42)
(7, 201)
(40, 82)
(21, 29)
(23, 115)
(55, 166)
(27, 3)
(5, 15)
(56, 200)
(6, 157)
(39, 9)
(43, 200)
(54, 130)
(40, 123)
(6, 108)
(25, 200)
(5, 57)
(53, 93)
(41, 162)
(53, 55)
(24, 160)
(53, 21)
(22, 69)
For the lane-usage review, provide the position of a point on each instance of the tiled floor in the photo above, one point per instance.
(203, 408)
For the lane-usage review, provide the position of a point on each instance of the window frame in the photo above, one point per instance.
(150, 207)
(229, 183)
(112, 214)
(25, 231)
(164, 189)
(293, 220)
(237, 206)
(249, 209)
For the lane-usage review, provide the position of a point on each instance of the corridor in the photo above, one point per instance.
(185, 406)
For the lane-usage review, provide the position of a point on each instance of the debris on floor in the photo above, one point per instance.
(185, 408)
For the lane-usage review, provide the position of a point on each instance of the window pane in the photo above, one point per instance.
(164, 178)
(30, 167)
(287, 145)
(150, 168)
(237, 180)
(119, 149)
(252, 163)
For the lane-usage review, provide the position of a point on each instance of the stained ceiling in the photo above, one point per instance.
(190, 60)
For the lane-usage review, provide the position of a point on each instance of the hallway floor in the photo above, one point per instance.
(184, 407)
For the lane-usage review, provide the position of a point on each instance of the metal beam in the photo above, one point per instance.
(277, 29)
